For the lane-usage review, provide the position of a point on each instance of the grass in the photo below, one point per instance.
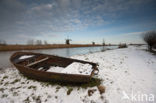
(15, 94)
(70, 89)
(12, 89)
(57, 88)
(154, 52)
(38, 99)
(93, 82)
(55, 97)
(7, 83)
(2, 90)
(22, 82)
(5, 77)
(26, 100)
(48, 46)
(32, 87)
(4, 95)
(147, 50)
(16, 80)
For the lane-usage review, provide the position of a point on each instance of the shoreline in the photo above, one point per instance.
(37, 47)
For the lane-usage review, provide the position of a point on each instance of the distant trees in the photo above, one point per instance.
(150, 39)
(36, 42)
(122, 45)
(30, 42)
(3, 42)
(45, 42)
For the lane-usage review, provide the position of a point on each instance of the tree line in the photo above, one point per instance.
(37, 42)
(3, 42)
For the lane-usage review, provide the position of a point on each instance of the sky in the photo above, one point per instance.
(83, 21)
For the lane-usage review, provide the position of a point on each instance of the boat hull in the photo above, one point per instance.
(53, 76)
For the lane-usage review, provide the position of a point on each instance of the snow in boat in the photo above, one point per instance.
(26, 56)
(74, 68)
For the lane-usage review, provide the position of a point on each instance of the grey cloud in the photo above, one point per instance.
(58, 15)
(10, 11)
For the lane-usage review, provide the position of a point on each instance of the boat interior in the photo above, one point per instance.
(44, 62)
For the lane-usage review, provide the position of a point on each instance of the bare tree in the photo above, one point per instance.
(30, 42)
(150, 39)
(38, 42)
(45, 42)
(3, 42)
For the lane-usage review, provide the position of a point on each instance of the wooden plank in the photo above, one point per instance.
(36, 62)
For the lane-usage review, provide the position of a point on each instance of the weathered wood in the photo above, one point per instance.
(45, 61)
(36, 62)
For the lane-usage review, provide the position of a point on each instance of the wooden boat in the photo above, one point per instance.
(30, 67)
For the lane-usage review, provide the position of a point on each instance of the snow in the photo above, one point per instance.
(73, 68)
(123, 72)
(26, 56)
(55, 69)
(78, 68)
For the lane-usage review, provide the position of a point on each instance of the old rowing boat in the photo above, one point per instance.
(28, 63)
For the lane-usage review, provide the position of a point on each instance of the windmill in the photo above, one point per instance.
(68, 41)
(93, 43)
(103, 42)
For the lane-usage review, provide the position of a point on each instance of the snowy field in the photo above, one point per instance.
(128, 75)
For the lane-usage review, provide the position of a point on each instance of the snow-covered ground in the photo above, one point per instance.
(129, 76)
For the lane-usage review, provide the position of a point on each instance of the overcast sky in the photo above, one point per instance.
(84, 21)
